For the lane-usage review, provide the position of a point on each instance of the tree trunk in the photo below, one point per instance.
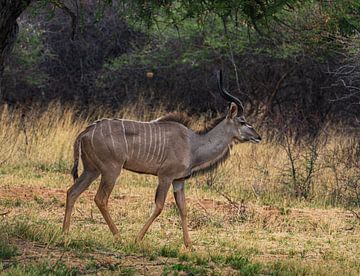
(10, 10)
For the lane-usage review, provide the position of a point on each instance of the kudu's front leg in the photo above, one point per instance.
(179, 194)
(160, 197)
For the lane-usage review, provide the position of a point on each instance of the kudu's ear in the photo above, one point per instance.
(233, 111)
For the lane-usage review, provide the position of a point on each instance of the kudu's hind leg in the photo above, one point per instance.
(160, 197)
(80, 185)
(102, 197)
(179, 195)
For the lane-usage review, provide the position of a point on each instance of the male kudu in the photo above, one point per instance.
(165, 147)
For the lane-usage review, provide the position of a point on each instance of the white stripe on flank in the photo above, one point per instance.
(112, 139)
(92, 141)
(163, 147)
(150, 143)
(126, 143)
(139, 145)
(158, 135)
(160, 144)
(132, 139)
(145, 138)
(92, 137)
(144, 143)
(155, 142)
(101, 131)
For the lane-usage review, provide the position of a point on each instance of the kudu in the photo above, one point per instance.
(165, 147)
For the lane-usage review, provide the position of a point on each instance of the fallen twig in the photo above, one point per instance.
(356, 215)
(204, 208)
(4, 214)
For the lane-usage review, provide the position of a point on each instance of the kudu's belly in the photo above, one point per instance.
(140, 166)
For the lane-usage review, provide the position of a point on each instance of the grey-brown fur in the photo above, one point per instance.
(165, 147)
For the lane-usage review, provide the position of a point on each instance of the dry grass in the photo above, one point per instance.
(243, 218)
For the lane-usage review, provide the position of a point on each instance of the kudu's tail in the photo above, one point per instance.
(77, 150)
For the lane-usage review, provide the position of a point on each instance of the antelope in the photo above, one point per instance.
(165, 147)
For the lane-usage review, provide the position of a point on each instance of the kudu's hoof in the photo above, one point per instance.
(188, 247)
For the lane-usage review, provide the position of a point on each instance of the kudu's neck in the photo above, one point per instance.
(211, 147)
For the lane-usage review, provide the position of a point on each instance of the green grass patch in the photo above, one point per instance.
(171, 252)
(43, 231)
(243, 265)
(187, 268)
(286, 269)
(11, 202)
(57, 269)
(128, 271)
(40, 231)
(238, 262)
(7, 250)
(184, 257)
(61, 166)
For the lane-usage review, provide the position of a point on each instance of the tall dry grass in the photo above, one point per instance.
(324, 172)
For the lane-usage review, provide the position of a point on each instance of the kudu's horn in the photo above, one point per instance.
(226, 95)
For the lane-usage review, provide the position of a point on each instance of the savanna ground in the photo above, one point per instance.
(244, 218)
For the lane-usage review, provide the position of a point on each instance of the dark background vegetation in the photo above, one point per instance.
(293, 63)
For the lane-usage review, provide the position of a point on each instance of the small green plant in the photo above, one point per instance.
(303, 165)
(11, 203)
(279, 268)
(243, 265)
(57, 269)
(6, 249)
(61, 166)
(187, 268)
(39, 230)
(201, 260)
(168, 251)
(39, 200)
(128, 271)
(184, 257)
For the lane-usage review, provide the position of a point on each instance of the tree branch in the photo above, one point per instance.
(74, 18)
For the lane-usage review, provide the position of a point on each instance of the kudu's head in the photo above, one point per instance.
(236, 124)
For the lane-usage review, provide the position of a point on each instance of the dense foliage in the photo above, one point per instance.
(294, 63)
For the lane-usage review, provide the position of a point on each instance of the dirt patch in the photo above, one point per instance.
(28, 193)
(268, 213)
(264, 217)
